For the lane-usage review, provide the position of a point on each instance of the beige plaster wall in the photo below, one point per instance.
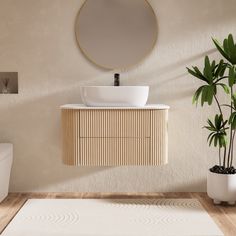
(37, 40)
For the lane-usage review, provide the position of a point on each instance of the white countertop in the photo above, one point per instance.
(148, 106)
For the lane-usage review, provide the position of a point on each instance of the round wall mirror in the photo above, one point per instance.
(116, 34)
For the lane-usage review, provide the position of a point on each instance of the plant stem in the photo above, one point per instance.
(219, 157)
(218, 104)
(224, 77)
(224, 157)
(230, 146)
(231, 131)
(232, 149)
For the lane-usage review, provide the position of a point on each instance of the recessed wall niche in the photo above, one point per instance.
(8, 82)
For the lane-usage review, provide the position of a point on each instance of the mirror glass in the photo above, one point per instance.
(116, 34)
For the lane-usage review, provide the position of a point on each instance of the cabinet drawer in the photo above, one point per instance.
(107, 137)
(115, 123)
(114, 151)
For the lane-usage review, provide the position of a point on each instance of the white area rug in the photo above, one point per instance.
(112, 217)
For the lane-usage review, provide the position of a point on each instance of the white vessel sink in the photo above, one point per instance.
(116, 96)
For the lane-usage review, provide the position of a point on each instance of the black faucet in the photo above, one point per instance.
(116, 79)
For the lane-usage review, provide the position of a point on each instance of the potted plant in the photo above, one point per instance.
(221, 179)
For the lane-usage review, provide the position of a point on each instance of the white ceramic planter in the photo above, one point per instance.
(221, 187)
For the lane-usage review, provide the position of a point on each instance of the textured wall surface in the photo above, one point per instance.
(37, 40)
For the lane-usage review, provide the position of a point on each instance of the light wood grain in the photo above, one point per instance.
(115, 137)
(9, 208)
(223, 215)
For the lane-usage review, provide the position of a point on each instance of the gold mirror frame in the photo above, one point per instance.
(120, 52)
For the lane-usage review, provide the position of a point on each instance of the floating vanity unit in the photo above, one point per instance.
(114, 136)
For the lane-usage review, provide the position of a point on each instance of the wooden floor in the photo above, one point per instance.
(224, 216)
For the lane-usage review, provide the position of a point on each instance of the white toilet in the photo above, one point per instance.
(6, 158)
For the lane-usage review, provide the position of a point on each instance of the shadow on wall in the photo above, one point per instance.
(166, 77)
(177, 65)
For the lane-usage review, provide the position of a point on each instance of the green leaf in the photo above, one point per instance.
(207, 93)
(208, 70)
(221, 49)
(195, 74)
(219, 68)
(222, 141)
(210, 128)
(230, 43)
(215, 140)
(211, 139)
(234, 101)
(210, 95)
(197, 94)
(232, 49)
(228, 50)
(223, 124)
(204, 95)
(234, 123)
(232, 120)
(232, 75)
(218, 131)
(210, 123)
(209, 136)
(217, 122)
(200, 74)
(226, 46)
(225, 87)
(222, 71)
(213, 68)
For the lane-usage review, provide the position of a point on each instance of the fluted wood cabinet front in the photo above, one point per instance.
(114, 137)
